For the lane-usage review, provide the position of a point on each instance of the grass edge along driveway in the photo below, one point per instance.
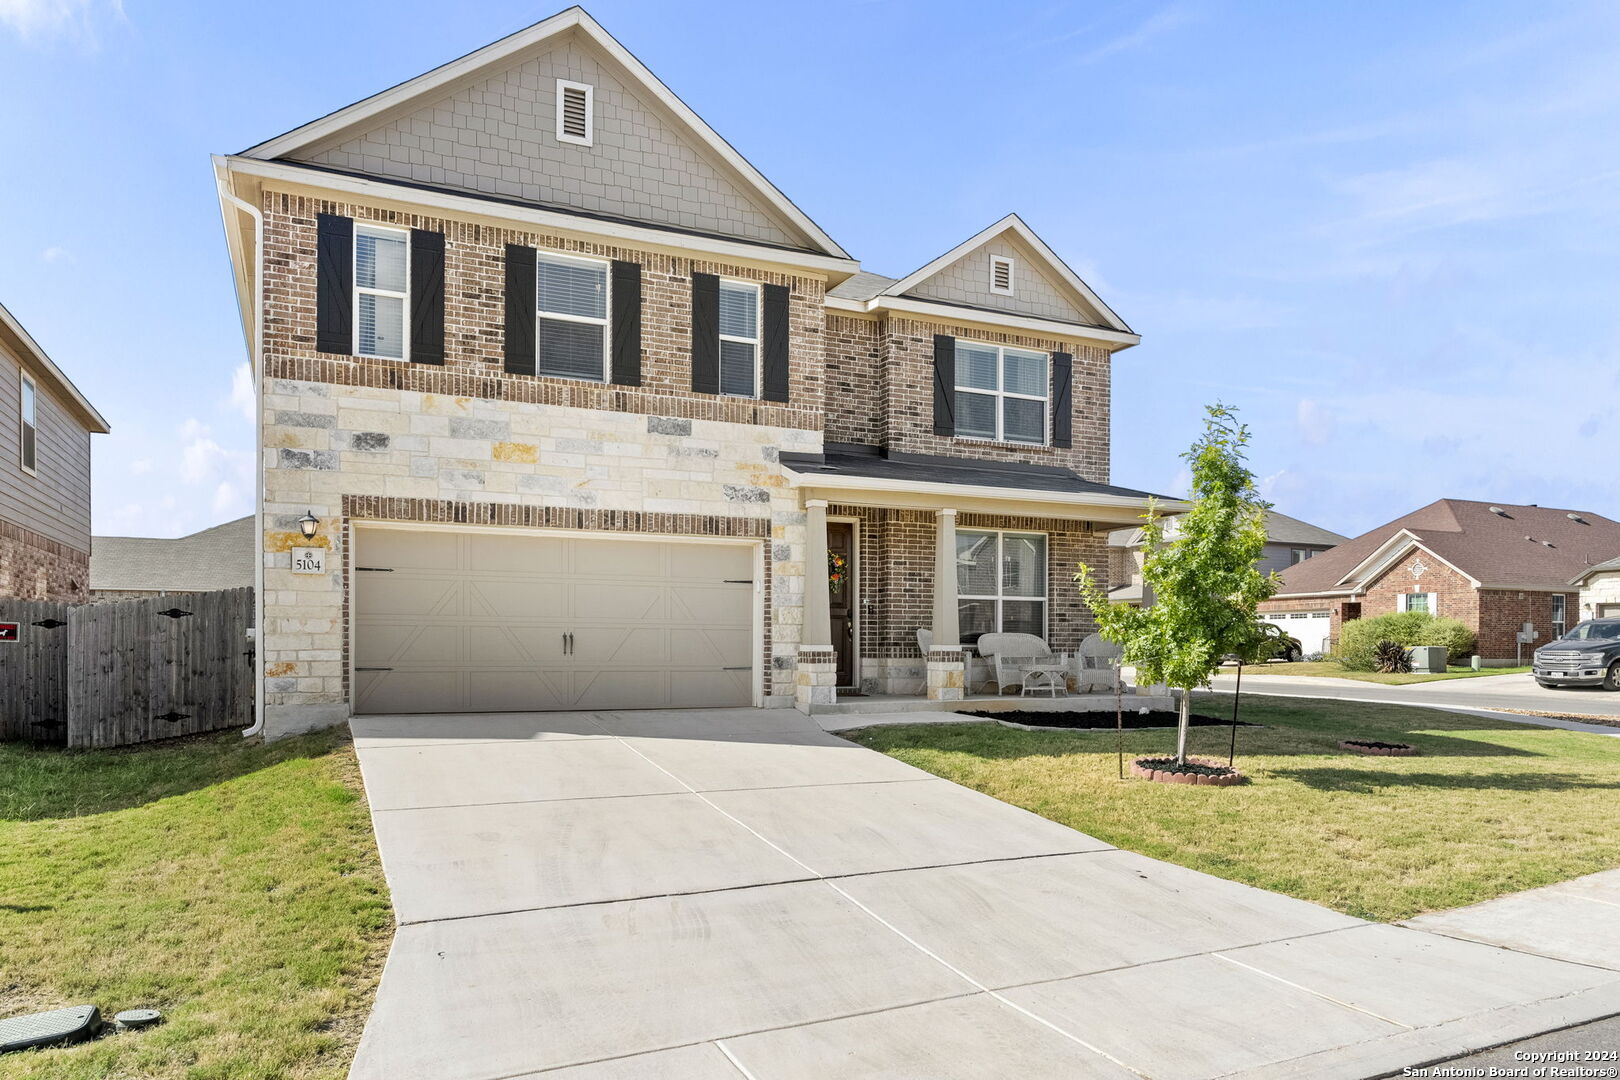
(234, 885)
(1327, 669)
(1489, 807)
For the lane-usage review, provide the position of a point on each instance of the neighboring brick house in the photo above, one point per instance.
(581, 402)
(1493, 567)
(1288, 541)
(1600, 590)
(45, 429)
(221, 557)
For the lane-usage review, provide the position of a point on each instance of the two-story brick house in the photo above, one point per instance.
(590, 415)
(45, 429)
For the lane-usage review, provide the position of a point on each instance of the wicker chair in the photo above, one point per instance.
(1012, 655)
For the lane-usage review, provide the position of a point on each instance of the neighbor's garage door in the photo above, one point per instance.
(1309, 628)
(492, 622)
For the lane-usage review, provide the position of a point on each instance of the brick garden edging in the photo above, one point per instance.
(1162, 776)
(1392, 750)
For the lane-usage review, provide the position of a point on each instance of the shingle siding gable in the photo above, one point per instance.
(967, 281)
(498, 137)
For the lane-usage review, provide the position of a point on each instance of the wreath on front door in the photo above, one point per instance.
(837, 569)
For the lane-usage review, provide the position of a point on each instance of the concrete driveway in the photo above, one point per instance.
(723, 895)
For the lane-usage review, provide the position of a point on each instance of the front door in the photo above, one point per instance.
(841, 596)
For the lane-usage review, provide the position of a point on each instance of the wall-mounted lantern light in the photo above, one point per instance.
(309, 524)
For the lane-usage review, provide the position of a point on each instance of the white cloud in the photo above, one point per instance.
(140, 466)
(37, 20)
(1315, 422)
(242, 391)
(54, 254)
(1160, 22)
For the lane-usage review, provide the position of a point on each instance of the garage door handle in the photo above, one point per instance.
(737, 581)
(374, 669)
(745, 667)
(375, 569)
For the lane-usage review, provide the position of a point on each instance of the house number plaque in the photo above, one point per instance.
(309, 560)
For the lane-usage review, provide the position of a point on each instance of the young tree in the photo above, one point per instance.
(1203, 582)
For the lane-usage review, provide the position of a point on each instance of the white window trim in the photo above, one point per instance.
(590, 113)
(1001, 595)
(1001, 394)
(605, 322)
(1403, 604)
(360, 290)
(25, 421)
(1012, 280)
(1560, 615)
(757, 341)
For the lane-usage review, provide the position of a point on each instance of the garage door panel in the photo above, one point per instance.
(495, 553)
(401, 550)
(708, 603)
(698, 689)
(477, 622)
(439, 690)
(515, 597)
(718, 646)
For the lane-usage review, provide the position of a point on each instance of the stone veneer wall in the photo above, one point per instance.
(35, 567)
(355, 452)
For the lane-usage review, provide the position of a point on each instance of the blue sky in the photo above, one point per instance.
(1386, 231)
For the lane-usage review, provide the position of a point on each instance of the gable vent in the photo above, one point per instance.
(1001, 275)
(574, 112)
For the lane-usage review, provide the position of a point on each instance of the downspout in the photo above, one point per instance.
(255, 341)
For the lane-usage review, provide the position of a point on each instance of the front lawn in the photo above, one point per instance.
(233, 885)
(1327, 669)
(1490, 807)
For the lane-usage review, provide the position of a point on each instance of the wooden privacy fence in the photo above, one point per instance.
(115, 672)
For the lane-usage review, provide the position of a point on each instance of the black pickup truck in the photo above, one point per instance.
(1589, 655)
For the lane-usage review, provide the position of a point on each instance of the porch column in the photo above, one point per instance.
(816, 675)
(947, 665)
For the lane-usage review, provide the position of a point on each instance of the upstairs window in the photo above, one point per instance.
(1298, 555)
(739, 339)
(1001, 275)
(575, 108)
(381, 291)
(571, 331)
(1001, 393)
(30, 432)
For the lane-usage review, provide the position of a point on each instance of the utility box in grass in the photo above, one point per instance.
(1429, 659)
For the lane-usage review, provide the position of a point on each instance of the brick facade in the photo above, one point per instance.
(35, 567)
(1495, 615)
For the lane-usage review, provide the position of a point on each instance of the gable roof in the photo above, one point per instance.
(21, 344)
(423, 90)
(1046, 260)
(221, 557)
(1608, 566)
(1280, 529)
(1533, 547)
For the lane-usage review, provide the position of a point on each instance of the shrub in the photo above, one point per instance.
(1359, 638)
(1391, 658)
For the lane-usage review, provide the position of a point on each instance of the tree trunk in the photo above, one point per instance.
(1237, 695)
(1183, 722)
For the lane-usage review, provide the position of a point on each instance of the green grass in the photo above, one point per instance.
(232, 884)
(1489, 807)
(1327, 669)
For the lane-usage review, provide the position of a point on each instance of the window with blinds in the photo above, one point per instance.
(381, 288)
(30, 431)
(739, 339)
(1001, 393)
(571, 328)
(575, 108)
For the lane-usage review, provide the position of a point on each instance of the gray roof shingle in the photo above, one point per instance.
(217, 558)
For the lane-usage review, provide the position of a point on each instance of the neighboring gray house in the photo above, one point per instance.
(1600, 590)
(1288, 541)
(217, 558)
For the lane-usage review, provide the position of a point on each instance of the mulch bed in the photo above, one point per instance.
(1201, 771)
(1383, 749)
(1101, 721)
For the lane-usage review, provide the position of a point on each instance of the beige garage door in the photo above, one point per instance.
(495, 622)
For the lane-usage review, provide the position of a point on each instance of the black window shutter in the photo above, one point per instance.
(427, 297)
(1062, 399)
(626, 323)
(705, 334)
(775, 303)
(334, 284)
(944, 385)
(521, 301)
